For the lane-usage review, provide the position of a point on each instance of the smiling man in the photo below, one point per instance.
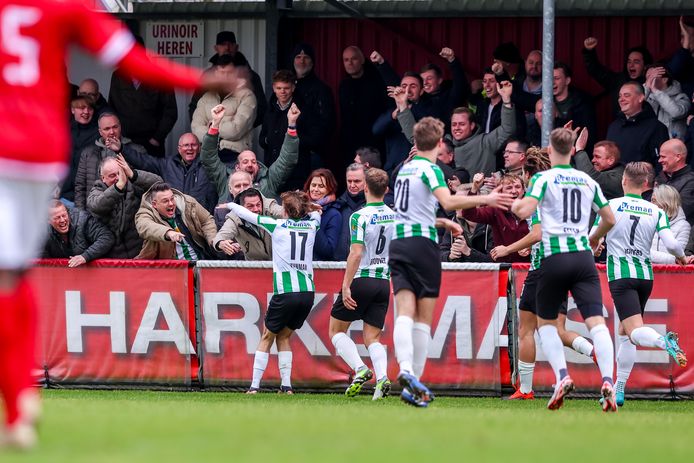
(637, 131)
(173, 226)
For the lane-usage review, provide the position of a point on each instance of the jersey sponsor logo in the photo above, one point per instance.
(378, 261)
(571, 230)
(560, 179)
(297, 225)
(385, 218)
(298, 266)
(634, 209)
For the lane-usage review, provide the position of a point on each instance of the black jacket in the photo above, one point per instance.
(682, 181)
(188, 179)
(638, 137)
(361, 100)
(87, 237)
(82, 136)
(579, 108)
(317, 113)
(347, 204)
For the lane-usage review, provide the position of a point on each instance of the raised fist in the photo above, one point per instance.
(376, 57)
(448, 54)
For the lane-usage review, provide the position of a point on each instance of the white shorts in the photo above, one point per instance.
(23, 220)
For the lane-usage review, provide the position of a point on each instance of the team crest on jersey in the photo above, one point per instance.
(634, 209)
(569, 180)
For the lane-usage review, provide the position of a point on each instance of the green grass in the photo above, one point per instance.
(137, 426)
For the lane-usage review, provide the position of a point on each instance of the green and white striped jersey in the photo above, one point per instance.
(372, 226)
(629, 241)
(566, 197)
(536, 250)
(292, 249)
(415, 205)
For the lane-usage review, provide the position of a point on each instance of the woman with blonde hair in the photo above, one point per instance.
(669, 200)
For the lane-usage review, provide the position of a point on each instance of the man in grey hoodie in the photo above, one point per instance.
(475, 151)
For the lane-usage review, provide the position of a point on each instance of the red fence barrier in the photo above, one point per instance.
(126, 322)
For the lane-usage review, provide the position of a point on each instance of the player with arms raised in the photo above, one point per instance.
(629, 270)
(414, 260)
(35, 36)
(565, 197)
(292, 279)
(366, 287)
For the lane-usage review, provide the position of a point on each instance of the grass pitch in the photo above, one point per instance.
(137, 426)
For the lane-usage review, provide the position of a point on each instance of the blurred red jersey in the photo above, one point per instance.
(34, 39)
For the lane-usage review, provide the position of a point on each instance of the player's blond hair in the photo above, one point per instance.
(636, 173)
(428, 132)
(561, 140)
(377, 181)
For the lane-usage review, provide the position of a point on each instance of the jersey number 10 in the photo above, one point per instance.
(572, 205)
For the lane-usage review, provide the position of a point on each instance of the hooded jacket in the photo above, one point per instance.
(152, 227)
(476, 153)
(671, 106)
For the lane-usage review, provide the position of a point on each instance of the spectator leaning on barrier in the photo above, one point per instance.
(677, 174)
(605, 167)
(269, 180)
(173, 225)
(109, 144)
(668, 199)
(183, 172)
(243, 239)
(76, 235)
(115, 199)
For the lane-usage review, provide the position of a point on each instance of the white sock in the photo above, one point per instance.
(645, 336)
(345, 348)
(259, 365)
(604, 351)
(626, 356)
(553, 349)
(379, 358)
(525, 370)
(284, 358)
(421, 336)
(582, 346)
(402, 340)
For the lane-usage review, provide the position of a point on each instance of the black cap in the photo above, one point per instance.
(507, 52)
(226, 36)
(306, 48)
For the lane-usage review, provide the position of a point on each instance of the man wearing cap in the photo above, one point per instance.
(225, 44)
(317, 114)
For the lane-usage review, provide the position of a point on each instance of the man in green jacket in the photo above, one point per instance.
(268, 180)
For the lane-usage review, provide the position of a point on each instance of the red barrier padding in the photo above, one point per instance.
(119, 263)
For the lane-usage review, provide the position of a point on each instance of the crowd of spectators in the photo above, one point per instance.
(125, 197)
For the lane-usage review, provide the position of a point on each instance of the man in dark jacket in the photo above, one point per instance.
(317, 112)
(147, 114)
(637, 131)
(678, 174)
(76, 235)
(349, 202)
(184, 172)
(572, 104)
(635, 61)
(84, 131)
(110, 143)
(116, 198)
(362, 97)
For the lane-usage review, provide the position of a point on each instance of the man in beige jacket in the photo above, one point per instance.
(236, 128)
(174, 226)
